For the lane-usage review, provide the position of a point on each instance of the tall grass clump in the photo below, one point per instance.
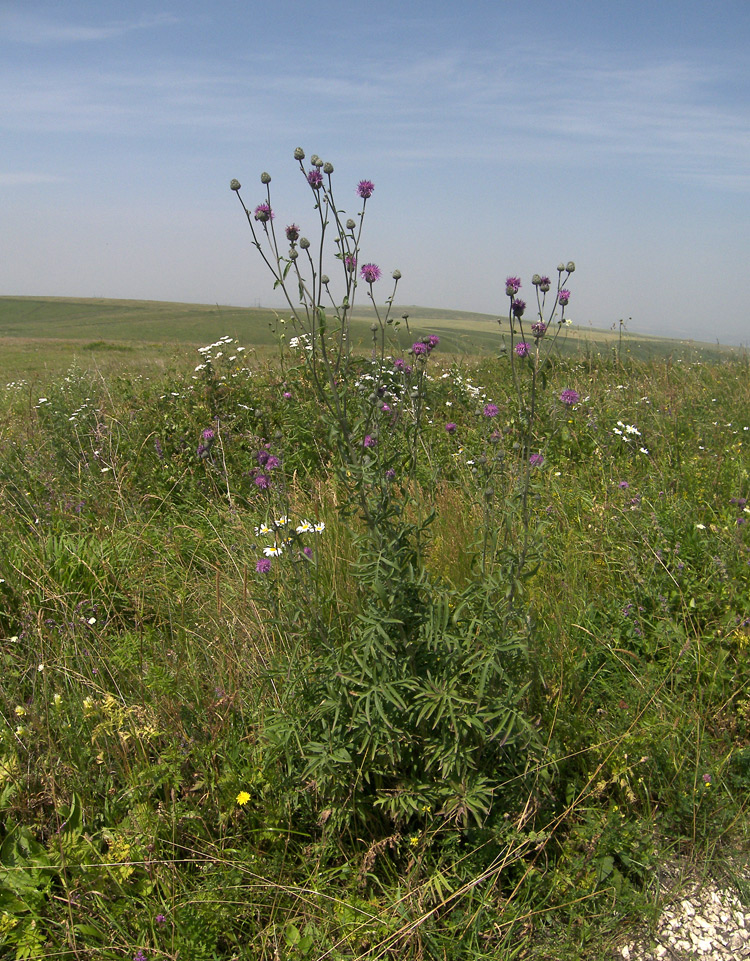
(369, 651)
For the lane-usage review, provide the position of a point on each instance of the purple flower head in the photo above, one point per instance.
(315, 179)
(263, 213)
(707, 779)
(139, 956)
(491, 410)
(292, 233)
(262, 481)
(350, 262)
(451, 428)
(512, 286)
(287, 395)
(544, 282)
(365, 189)
(263, 566)
(369, 441)
(518, 306)
(539, 329)
(370, 273)
(390, 474)
(398, 363)
(522, 349)
(419, 348)
(208, 435)
(623, 485)
(536, 460)
(262, 456)
(432, 341)
(307, 551)
(570, 396)
(273, 461)
(160, 919)
(563, 297)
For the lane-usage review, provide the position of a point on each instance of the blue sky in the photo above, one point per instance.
(502, 136)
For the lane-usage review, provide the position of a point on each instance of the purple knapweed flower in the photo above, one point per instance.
(544, 282)
(570, 396)
(539, 329)
(365, 189)
(491, 410)
(287, 395)
(518, 307)
(263, 566)
(563, 297)
(208, 435)
(707, 779)
(315, 179)
(623, 485)
(350, 262)
(432, 341)
(139, 956)
(398, 363)
(451, 428)
(262, 481)
(273, 461)
(307, 551)
(390, 474)
(160, 919)
(522, 349)
(292, 233)
(370, 273)
(419, 348)
(536, 460)
(512, 286)
(369, 441)
(263, 213)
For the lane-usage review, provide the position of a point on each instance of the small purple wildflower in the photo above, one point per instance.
(262, 457)
(263, 566)
(370, 273)
(292, 233)
(491, 410)
(287, 395)
(262, 481)
(160, 919)
(419, 348)
(623, 485)
(536, 460)
(432, 341)
(139, 956)
(522, 349)
(539, 329)
(518, 306)
(544, 282)
(398, 363)
(369, 441)
(315, 179)
(451, 428)
(707, 779)
(390, 474)
(570, 396)
(512, 286)
(350, 262)
(307, 551)
(563, 297)
(365, 189)
(208, 435)
(263, 213)
(158, 448)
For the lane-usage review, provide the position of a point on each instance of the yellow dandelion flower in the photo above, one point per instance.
(242, 798)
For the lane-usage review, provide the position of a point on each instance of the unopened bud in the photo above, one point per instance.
(299, 154)
(324, 279)
(293, 253)
(327, 168)
(536, 280)
(304, 243)
(234, 185)
(265, 178)
(350, 224)
(397, 275)
(373, 327)
(316, 161)
(570, 266)
(560, 268)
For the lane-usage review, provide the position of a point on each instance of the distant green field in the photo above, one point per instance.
(41, 336)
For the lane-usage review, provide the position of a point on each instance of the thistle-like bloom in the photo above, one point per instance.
(536, 460)
(350, 262)
(370, 273)
(263, 213)
(208, 435)
(539, 329)
(570, 396)
(369, 441)
(432, 341)
(522, 349)
(563, 297)
(518, 306)
(263, 481)
(451, 428)
(365, 189)
(419, 348)
(292, 233)
(512, 286)
(315, 179)
(263, 566)
(491, 410)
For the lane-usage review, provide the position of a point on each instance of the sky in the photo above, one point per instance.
(502, 136)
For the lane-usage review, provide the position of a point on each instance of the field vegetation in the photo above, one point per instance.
(321, 652)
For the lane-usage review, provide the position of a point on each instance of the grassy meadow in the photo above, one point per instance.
(195, 762)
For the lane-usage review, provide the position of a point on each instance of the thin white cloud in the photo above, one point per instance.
(23, 27)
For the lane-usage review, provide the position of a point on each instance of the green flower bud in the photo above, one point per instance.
(396, 275)
(324, 279)
(304, 243)
(265, 178)
(299, 154)
(536, 280)
(316, 161)
(327, 168)
(560, 268)
(350, 224)
(570, 266)
(234, 185)
(293, 253)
